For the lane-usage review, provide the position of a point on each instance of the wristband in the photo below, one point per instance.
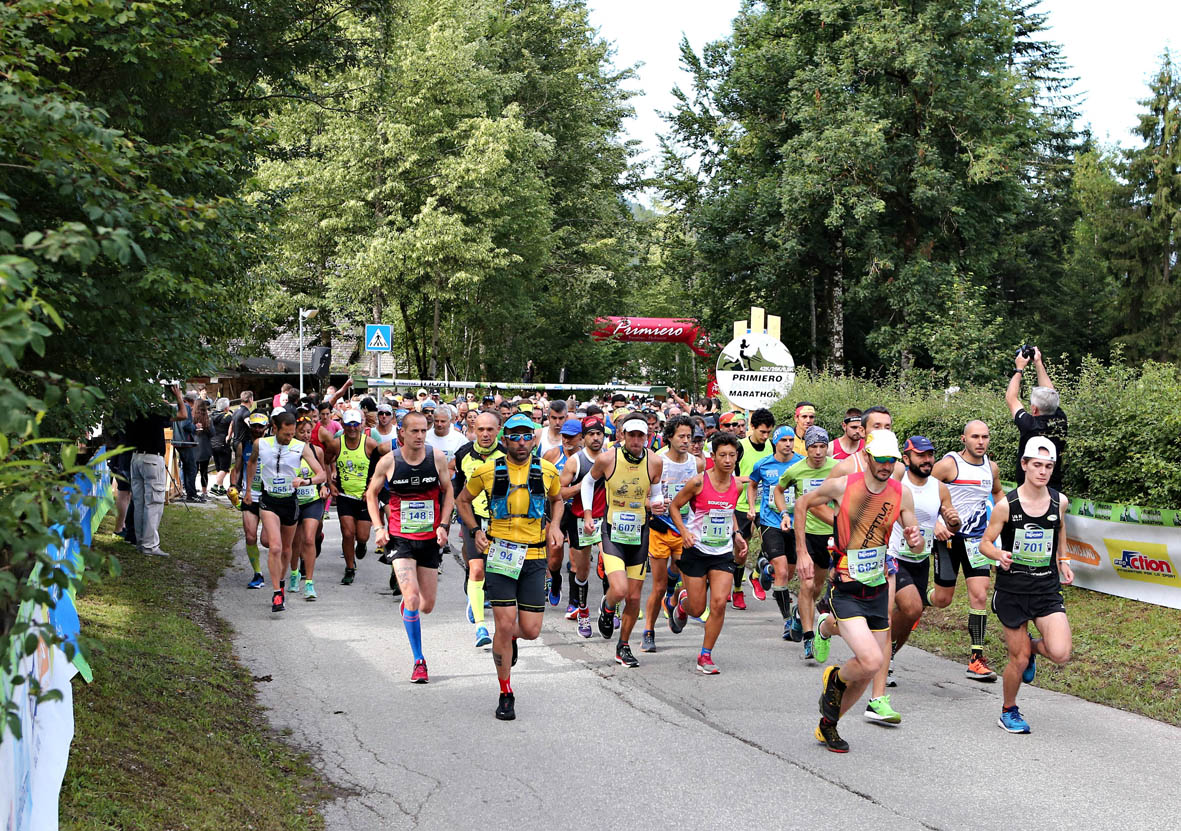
(1020, 371)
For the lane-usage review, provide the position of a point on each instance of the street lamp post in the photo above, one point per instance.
(304, 314)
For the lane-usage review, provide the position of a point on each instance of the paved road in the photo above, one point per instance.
(596, 743)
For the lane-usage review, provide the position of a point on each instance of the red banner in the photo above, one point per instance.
(654, 330)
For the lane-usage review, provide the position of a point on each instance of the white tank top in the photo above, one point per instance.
(969, 495)
(674, 477)
(547, 445)
(926, 511)
(278, 464)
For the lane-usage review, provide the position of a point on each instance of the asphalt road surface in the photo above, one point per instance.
(595, 743)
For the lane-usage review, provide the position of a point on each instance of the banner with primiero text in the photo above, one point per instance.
(1126, 550)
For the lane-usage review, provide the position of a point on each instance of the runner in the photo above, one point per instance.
(971, 477)
(256, 428)
(751, 450)
(870, 505)
(853, 439)
(908, 587)
(551, 436)
(805, 417)
(1030, 525)
(419, 519)
(874, 418)
(803, 477)
(778, 557)
(575, 470)
(632, 475)
(444, 436)
(518, 488)
(571, 433)
(277, 460)
(311, 499)
(472, 455)
(664, 540)
(353, 452)
(711, 544)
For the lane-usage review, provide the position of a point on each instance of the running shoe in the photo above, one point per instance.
(797, 627)
(599, 572)
(418, 676)
(756, 586)
(879, 710)
(766, 579)
(360, 549)
(978, 670)
(808, 654)
(648, 643)
(890, 680)
(1030, 671)
(309, 590)
(482, 636)
(504, 710)
(676, 618)
(830, 695)
(706, 665)
(555, 592)
(293, 582)
(349, 574)
(471, 617)
(277, 602)
(514, 661)
(827, 735)
(1012, 721)
(738, 599)
(820, 644)
(623, 655)
(787, 630)
(571, 611)
(256, 582)
(584, 626)
(606, 621)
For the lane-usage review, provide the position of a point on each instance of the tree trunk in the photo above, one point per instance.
(812, 317)
(836, 314)
(375, 357)
(435, 329)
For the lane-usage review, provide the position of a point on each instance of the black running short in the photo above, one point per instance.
(222, 459)
(355, 508)
(527, 592)
(285, 507)
(426, 553)
(252, 508)
(743, 524)
(913, 574)
(817, 545)
(778, 543)
(950, 558)
(1015, 610)
(694, 563)
(855, 600)
(312, 510)
(471, 551)
(632, 558)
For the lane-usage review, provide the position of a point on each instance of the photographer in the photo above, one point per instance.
(1044, 417)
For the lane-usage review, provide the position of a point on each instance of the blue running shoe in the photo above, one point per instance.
(1012, 721)
(787, 630)
(471, 618)
(797, 628)
(1030, 670)
(766, 578)
(256, 582)
(555, 593)
(482, 636)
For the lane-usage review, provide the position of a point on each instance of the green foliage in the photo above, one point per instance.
(1124, 425)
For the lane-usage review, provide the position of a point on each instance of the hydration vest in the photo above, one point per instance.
(498, 499)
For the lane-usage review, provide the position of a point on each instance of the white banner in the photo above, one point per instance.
(1126, 559)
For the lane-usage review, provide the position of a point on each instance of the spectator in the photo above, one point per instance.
(240, 430)
(222, 420)
(184, 440)
(149, 475)
(1044, 417)
(203, 427)
(527, 375)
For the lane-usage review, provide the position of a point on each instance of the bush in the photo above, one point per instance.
(1124, 442)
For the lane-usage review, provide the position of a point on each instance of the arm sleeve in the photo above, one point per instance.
(588, 493)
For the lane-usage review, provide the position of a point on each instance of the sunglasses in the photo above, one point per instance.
(884, 460)
(522, 437)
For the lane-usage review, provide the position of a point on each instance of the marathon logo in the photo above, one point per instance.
(1081, 552)
(757, 383)
(1142, 561)
(1102, 510)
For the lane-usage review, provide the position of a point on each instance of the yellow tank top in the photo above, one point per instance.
(352, 466)
(627, 486)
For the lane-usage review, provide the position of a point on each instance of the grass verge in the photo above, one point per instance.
(169, 734)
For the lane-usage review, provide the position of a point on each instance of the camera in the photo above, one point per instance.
(1026, 351)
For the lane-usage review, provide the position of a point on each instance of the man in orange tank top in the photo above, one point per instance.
(858, 592)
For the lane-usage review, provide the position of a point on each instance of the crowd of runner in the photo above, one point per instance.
(870, 529)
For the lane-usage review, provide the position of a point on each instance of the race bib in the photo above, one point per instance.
(975, 558)
(809, 485)
(789, 499)
(506, 558)
(596, 536)
(305, 493)
(1033, 547)
(868, 565)
(718, 527)
(625, 528)
(905, 553)
(672, 491)
(256, 483)
(280, 486)
(418, 515)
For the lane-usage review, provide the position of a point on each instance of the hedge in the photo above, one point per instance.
(1124, 441)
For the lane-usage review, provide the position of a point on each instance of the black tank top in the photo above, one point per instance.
(418, 481)
(1034, 541)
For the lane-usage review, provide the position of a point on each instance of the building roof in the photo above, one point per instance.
(284, 352)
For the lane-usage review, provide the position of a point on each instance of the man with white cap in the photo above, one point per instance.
(1025, 536)
(352, 452)
(870, 504)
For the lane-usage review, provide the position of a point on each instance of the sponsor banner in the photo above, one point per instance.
(1127, 559)
(1134, 514)
(653, 330)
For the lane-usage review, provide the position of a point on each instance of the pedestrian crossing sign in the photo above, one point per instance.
(377, 337)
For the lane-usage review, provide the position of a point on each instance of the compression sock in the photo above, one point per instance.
(413, 631)
(505, 687)
(739, 572)
(809, 634)
(572, 586)
(705, 653)
(475, 597)
(977, 618)
(782, 600)
(252, 553)
(930, 594)
(581, 590)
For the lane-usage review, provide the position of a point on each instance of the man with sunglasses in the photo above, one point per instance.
(353, 452)
(518, 487)
(580, 542)
(870, 504)
(853, 441)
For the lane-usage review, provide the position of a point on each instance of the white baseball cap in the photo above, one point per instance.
(353, 417)
(883, 443)
(1037, 444)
